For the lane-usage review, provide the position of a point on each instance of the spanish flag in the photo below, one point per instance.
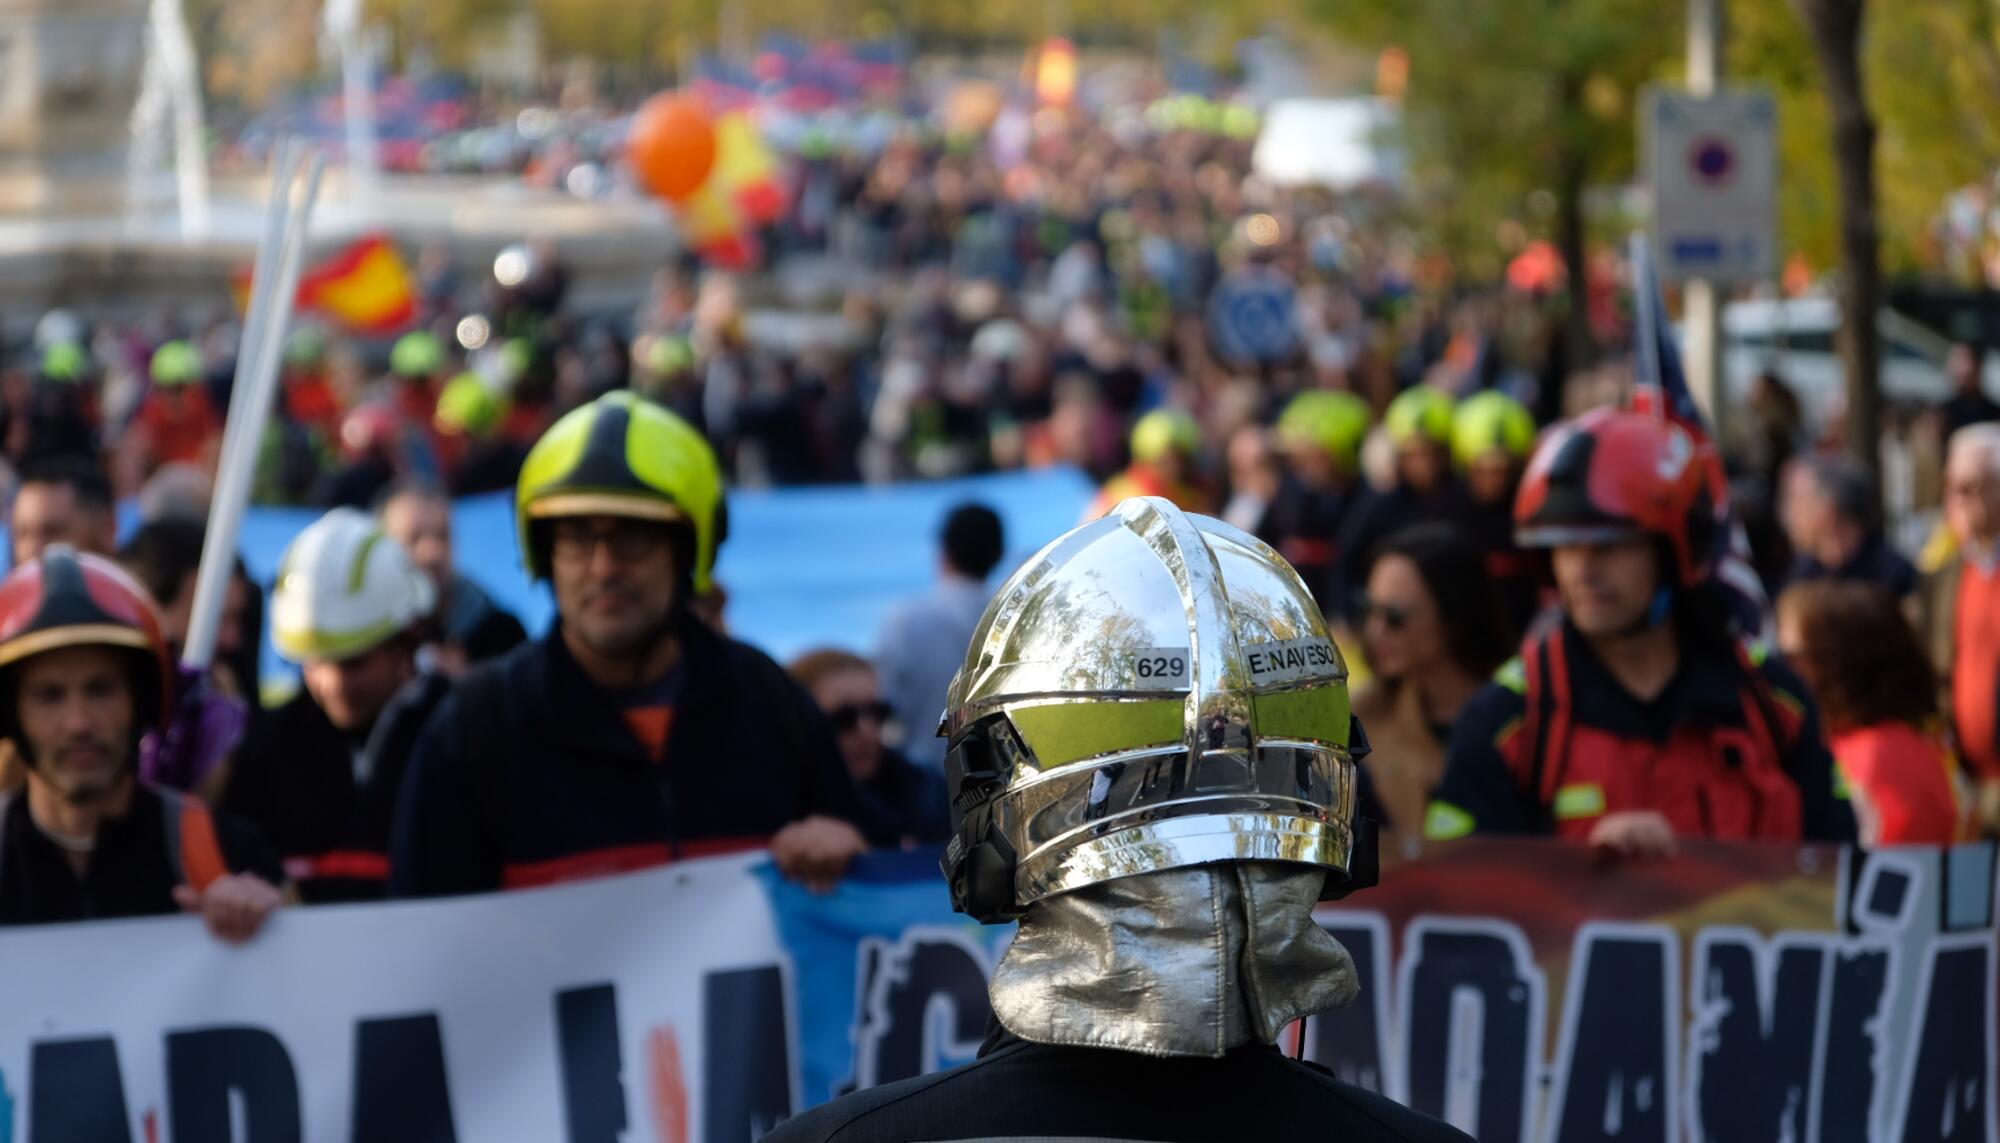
(365, 288)
(712, 225)
(746, 169)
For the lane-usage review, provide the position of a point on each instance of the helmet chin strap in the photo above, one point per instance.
(1658, 612)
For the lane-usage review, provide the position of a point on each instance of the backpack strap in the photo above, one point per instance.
(1546, 724)
(1766, 721)
(1765, 718)
(191, 840)
(1555, 737)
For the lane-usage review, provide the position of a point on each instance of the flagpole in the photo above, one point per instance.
(274, 282)
(1646, 295)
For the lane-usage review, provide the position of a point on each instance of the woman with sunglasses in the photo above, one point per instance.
(1434, 633)
(909, 799)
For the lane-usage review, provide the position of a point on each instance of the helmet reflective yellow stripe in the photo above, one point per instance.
(1162, 431)
(1491, 422)
(1421, 411)
(345, 588)
(622, 455)
(1334, 422)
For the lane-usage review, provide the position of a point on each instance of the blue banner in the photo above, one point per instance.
(896, 979)
(803, 568)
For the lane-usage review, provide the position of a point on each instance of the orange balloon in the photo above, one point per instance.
(672, 145)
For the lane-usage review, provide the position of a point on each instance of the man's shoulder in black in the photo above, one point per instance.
(136, 862)
(1021, 1090)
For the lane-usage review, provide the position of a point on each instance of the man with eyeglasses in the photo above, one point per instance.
(1958, 607)
(632, 734)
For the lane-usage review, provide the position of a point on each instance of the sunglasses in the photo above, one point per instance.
(847, 716)
(1393, 617)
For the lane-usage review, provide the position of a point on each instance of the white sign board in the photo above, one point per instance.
(572, 1013)
(1712, 166)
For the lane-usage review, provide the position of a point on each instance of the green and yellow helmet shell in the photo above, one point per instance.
(1334, 421)
(622, 455)
(305, 346)
(175, 363)
(418, 354)
(1420, 412)
(1491, 421)
(1162, 431)
(64, 361)
(467, 405)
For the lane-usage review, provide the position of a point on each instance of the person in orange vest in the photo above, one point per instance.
(1642, 717)
(1165, 443)
(1958, 609)
(84, 674)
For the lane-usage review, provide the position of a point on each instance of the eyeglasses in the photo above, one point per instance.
(574, 542)
(847, 716)
(1393, 617)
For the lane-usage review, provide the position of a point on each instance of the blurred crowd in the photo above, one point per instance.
(1122, 295)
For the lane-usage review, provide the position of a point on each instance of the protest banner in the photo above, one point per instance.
(1521, 989)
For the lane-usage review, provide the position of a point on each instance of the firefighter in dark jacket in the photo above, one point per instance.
(1641, 717)
(84, 674)
(631, 734)
(1167, 679)
(319, 775)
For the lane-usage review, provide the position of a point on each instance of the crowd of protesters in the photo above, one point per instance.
(1525, 614)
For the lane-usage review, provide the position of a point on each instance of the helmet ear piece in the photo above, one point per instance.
(982, 883)
(1702, 532)
(1364, 867)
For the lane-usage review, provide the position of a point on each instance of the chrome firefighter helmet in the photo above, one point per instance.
(1151, 691)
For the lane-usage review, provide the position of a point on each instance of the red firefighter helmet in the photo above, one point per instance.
(68, 599)
(1611, 473)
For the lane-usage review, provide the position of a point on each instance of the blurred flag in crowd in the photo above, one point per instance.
(365, 288)
(747, 169)
(1661, 387)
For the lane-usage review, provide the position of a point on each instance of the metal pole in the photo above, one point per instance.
(250, 402)
(1701, 301)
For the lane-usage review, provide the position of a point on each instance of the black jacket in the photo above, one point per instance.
(473, 621)
(1018, 1090)
(529, 775)
(910, 800)
(297, 779)
(1304, 524)
(132, 872)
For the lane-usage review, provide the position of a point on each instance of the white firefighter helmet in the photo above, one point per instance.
(344, 588)
(1153, 690)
